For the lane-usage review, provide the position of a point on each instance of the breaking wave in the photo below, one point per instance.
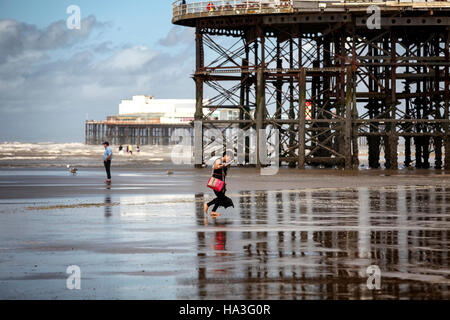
(47, 154)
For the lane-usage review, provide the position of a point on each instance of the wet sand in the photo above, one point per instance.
(17, 183)
(296, 235)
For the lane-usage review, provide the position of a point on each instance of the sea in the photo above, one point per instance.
(48, 154)
(76, 154)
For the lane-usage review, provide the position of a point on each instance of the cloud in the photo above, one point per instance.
(104, 47)
(178, 36)
(16, 37)
(130, 59)
(50, 95)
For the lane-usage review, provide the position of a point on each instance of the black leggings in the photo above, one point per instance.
(108, 168)
(218, 201)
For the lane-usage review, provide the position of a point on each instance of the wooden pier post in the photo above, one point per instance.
(302, 119)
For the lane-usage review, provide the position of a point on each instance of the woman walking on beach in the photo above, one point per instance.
(220, 170)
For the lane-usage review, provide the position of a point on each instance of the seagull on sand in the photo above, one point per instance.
(72, 170)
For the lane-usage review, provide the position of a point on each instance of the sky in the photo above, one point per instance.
(53, 78)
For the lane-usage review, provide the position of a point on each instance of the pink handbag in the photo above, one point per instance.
(215, 184)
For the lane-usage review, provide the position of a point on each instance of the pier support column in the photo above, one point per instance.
(348, 120)
(341, 87)
(392, 137)
(302, 119)
(408, 139)
(373, 141)
(244, 110)
(260, 95)
(354, 162)
(355, 146)
(279, 95)
(86, 133)
(260, 111)
(393, 143)
(291, 101)
(436, 105)
(198, 116)
(447, 104)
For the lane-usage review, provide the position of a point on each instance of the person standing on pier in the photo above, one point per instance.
(107, 157)
(183, 7)
(210, 7)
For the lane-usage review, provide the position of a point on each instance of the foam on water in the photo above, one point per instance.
(47, 154)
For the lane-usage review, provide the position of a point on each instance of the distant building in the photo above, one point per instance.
(163, 110)
(166, 111)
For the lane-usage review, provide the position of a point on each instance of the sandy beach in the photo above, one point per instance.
(356, 95)
(296, 235)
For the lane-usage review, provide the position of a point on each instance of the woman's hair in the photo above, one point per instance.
(228, 153)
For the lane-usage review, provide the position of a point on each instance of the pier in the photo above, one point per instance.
(386, 80)
(131, 132)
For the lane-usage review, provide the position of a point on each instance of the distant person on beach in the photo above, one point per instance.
(138, 149)
(130, 148)
(220, 171)
(107, 157)
(120, 150)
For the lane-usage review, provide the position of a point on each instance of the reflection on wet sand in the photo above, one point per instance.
(317, 244)
(108, 211)
(303, 244)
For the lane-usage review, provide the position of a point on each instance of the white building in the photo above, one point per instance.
(169, 111)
